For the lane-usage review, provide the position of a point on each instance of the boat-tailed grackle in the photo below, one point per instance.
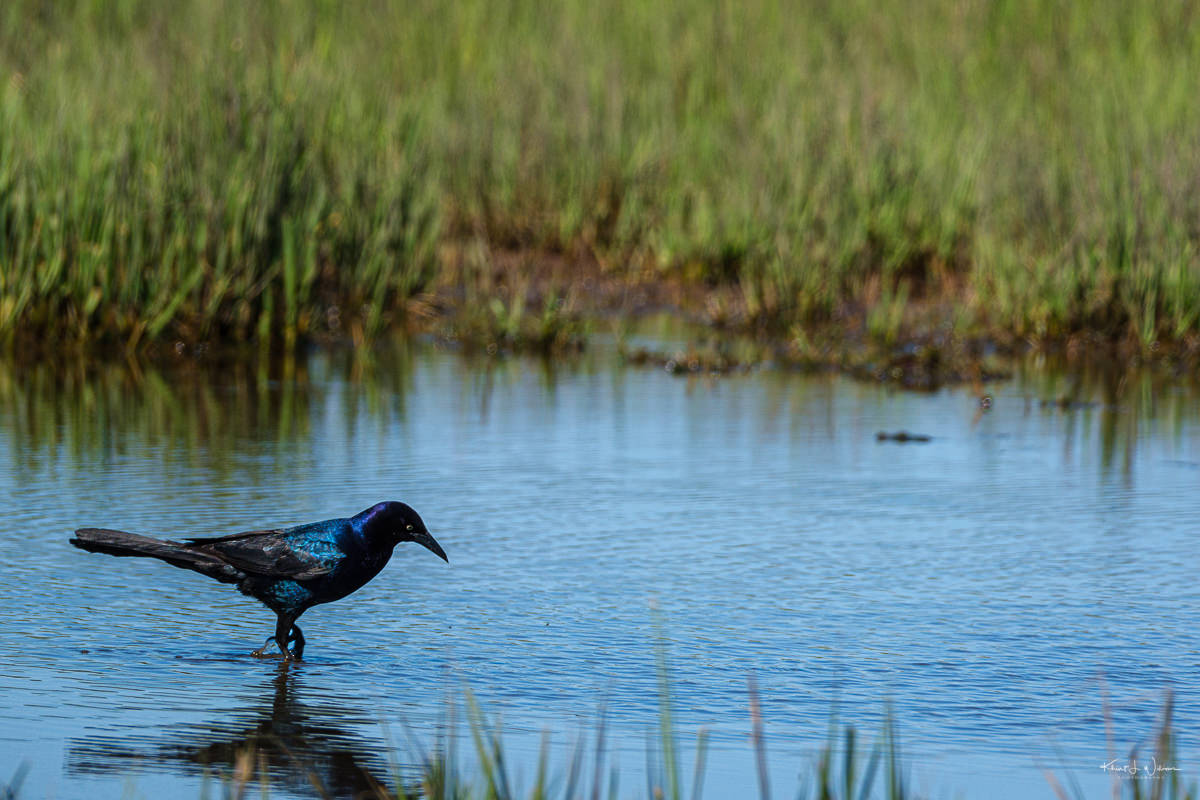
(288, 570)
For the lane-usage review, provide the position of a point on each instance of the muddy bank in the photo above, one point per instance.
(551, 303)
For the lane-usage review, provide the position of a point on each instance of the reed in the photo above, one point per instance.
(212, 170)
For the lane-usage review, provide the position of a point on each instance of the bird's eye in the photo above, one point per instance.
(408, 527)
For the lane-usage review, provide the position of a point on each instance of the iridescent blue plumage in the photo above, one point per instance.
(288, 570)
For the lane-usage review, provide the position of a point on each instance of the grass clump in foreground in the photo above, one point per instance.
(217, 170)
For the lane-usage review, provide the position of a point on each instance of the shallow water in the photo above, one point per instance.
(993, 585)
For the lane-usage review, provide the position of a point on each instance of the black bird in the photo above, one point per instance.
(287, 570)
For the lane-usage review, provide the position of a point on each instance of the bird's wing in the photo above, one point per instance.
(274, 553)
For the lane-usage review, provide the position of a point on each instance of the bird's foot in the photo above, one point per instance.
(262, 651)
(296, 653)
(294, 637)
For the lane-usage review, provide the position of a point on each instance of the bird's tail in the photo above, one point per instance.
(120, 543)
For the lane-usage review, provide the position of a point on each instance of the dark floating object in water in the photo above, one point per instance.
(901, 436)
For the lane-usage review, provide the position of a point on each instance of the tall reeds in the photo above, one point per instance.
(223, 170)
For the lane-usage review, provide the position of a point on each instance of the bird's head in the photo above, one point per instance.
(399, 523)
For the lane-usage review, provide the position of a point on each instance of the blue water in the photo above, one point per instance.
(994, 585)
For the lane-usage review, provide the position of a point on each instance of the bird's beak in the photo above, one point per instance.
(425, 540)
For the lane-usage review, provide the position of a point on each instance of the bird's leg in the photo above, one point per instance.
(283, 635)
(298, 637)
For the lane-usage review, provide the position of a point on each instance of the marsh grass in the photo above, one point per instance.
(212, 170)
(197, 171)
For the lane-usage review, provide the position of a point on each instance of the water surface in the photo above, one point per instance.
(994, 585)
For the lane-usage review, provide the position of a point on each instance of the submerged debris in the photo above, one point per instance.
(926, 367)
(1067, 404)
(687, 362)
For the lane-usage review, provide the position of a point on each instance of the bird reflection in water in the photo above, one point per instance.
(284, 743)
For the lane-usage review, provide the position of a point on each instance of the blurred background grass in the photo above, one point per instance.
(211, 170)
